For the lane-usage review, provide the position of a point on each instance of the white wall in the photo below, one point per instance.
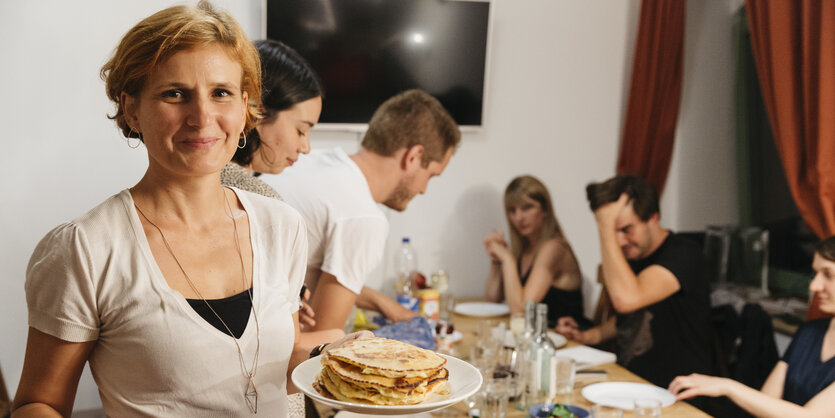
(558, 78)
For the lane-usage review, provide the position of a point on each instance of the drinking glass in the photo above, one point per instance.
(566, 369)
(494, 397)
(647, 408)
(483, 356)
(446, 306)
(439, 281)
(605, 411)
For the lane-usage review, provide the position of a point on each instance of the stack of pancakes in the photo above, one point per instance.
(380, 371)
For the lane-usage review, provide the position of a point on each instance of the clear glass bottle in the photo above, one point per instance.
(541, 379)
(525, 346)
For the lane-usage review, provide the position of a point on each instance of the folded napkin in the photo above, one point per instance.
(417, 331)
(587, 356)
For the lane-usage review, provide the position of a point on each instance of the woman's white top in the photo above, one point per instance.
(95, 279)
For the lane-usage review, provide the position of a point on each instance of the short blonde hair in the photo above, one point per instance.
(411, 118)
(175, 29)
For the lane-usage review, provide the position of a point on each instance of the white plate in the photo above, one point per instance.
(482, 309)
(464, 380)
(624, 394)
(557, 339)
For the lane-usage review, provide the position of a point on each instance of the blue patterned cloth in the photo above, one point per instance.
(416, 331)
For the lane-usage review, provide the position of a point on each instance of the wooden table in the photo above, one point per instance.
(468, 325)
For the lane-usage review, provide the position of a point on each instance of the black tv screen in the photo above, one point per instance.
(366, 51)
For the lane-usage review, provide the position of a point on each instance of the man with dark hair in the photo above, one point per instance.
(409, 140)
(655, 281)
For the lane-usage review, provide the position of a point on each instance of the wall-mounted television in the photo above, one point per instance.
(366, 51)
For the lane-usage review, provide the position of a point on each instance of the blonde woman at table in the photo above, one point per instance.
(182, 294)
(801, 384)
(539, 265)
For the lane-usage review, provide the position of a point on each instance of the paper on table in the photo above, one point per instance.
(587, 356)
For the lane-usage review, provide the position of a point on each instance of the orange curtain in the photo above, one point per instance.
(646, 147)
(794, 50)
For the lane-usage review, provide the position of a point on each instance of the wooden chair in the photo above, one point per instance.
(604, 309)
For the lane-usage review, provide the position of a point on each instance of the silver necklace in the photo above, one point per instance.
(251, 392)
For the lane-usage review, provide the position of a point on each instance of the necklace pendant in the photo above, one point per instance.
(251, 396)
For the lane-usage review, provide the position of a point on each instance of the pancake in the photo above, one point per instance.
(354, 374)
(369, 371)
(390, 358)
(339, 390)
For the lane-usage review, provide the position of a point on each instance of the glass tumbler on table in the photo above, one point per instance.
(494, 397)
(647, 408)
(565, 370)
(605, 411)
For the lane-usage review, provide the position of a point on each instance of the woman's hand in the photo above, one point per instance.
(350, 337)
(496, 238)
(566, 325)
(686, 387)
(306, 313)
(497, 247)
(568, 328)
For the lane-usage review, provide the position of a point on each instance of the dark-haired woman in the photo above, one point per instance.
(291, 104)
(291, 98)
(801, 384)
(539, 265)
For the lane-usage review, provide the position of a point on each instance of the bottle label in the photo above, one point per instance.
(410, 303)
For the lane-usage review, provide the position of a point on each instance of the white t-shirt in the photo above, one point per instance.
(346, 230)
(95, 278)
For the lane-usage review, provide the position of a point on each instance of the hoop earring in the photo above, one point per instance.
(130, 136)
(241, 146)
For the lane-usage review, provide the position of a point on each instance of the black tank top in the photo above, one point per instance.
(560, 302)
(234, 310)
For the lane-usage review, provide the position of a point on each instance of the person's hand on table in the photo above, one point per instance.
(686, 387)
(396, 312)
(568, 328)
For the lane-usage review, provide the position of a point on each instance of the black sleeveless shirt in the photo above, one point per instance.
(234, 310)
(560, 302)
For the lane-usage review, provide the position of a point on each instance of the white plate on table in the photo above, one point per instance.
(557, 339)
(464, 380)
(624, 394)
(482, 309)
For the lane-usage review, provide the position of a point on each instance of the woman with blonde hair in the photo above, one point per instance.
(802, 384)
(539, 264)
(181, 293)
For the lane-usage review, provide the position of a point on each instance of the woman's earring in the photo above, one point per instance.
(242, 145)
(138, 140)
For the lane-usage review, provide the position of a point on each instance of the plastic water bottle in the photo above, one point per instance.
(405, 265)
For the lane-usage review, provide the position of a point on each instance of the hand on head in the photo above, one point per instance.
(606, 214)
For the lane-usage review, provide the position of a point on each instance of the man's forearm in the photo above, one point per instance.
(370, 299)
(620, 281)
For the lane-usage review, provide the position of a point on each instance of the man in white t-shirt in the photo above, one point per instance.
(409, 140)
